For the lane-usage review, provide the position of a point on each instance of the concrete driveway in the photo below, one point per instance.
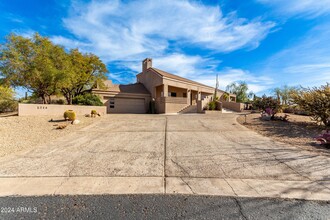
(190, 154)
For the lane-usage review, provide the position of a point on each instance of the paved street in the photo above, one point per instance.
(186, 154)
(161, 207)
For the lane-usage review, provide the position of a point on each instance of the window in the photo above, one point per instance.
(112, 103)
(172, 94)
(184, 95)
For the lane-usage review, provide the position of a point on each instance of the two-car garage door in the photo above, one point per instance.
(126, 105)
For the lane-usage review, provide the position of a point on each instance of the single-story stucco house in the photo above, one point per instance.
(171, 93)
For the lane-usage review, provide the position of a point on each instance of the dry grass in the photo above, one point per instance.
(299, 130)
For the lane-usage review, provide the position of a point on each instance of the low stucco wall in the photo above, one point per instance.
(234, 106)
(57, 110)
(170, 104)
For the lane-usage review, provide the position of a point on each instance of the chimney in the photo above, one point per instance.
(146, 64)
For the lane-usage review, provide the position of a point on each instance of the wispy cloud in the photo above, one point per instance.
(203, 70)
(307, 8)
(306, 63)
(121, 30)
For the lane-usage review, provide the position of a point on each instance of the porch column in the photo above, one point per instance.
(165, 90)
(188, 96)
(199, 96)
(154, 93)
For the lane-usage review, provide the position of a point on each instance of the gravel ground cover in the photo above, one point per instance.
(19, 133)
(299, 130)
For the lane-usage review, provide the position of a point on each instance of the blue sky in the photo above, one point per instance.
(266, 43)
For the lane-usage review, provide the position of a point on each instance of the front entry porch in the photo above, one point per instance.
(171, 99)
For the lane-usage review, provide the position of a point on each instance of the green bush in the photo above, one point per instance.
(290, 110)
(7, 101)
(69, 115)
(315, 102)
(8, 106)
(93, 112)
(212, 105)
(87, 99)
(267, 104)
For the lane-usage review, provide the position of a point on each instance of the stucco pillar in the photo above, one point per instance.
(199, 96)
(154, 93)
(165, 90)
(188, 96)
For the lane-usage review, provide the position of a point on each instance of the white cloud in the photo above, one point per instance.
(309, 8)
(69, 43)
(202, 70)
(124, 30)
(256, 84)
(306, 63)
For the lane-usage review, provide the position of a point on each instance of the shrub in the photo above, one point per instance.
(8, 106)
(58, 102)
(94, 113)
(315, 102)
(225, 96)
(290, 110)
(87, 99)
(267, 104)
(7, 102)
(212, 105)
(69, 115)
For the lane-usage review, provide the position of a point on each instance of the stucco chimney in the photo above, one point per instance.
(146, 64)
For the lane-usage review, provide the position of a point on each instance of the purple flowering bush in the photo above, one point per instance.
(324, 138)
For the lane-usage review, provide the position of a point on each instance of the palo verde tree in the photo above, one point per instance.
(46, 69)
(33, 63)
(84, 73)
(240, 89)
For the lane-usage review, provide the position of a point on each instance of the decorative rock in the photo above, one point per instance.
(87, 115)
(75, 122)
(61, 127)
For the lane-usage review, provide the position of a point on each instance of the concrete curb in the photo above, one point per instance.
(39, 186)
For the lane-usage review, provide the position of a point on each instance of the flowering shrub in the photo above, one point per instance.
(324, 138)
(267, 104)
(269, 111)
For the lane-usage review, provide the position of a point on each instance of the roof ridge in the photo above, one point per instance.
(171, 74)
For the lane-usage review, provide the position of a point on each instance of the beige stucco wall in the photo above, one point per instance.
(150, 80)
(56, 110)
(170, 105)
(234, 106)
(174, 107)
(186, 85)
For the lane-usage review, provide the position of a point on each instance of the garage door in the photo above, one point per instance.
(126, 105)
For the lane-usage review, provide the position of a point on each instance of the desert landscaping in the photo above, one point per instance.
(299, 130)
(20, 133)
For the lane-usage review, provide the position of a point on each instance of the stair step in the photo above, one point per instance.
(188, 109)
(225, 110)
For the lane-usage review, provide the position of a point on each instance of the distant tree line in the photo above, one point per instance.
(314, 102)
